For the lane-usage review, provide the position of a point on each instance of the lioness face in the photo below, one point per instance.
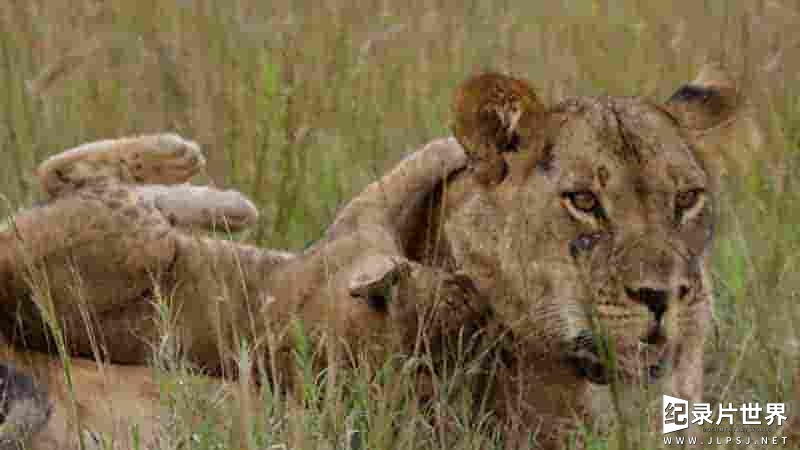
(627, 224)
(591, 228)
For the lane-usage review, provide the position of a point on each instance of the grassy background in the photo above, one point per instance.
(299, 104)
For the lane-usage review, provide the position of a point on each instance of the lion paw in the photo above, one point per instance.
(151, 159)
(593, 359)
(199, 207)
(585, 357)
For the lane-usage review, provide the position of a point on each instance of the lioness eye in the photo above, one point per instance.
(584, 201)
(686, 199)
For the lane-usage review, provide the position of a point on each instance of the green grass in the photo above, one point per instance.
(299, 104)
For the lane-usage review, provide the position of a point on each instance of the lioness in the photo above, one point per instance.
(575, 236)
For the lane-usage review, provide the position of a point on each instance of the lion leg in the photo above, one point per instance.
(102, 402)
(201, 207)
(76, 259)
(106, 230)
(686, 381)
(99, 256)
(396, 199)
(155, 164)
(105, 403)
(150, 159)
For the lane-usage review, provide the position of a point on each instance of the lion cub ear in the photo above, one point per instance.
(495, 114)
(373, 278)
(711, 110)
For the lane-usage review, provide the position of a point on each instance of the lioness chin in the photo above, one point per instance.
(573, 238)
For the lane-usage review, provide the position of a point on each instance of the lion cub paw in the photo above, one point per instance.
(201, 207)
(151, 159)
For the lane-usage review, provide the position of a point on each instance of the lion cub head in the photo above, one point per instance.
(590, 221)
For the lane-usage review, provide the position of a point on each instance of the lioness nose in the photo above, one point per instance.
(655, 299)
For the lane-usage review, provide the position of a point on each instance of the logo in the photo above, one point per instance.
(729, 420)
(676, 414)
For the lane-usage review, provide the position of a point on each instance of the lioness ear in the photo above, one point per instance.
(494, 114)
(708, 108)
(710, 100)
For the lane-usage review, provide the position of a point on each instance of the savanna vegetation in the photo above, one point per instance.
(300, 104)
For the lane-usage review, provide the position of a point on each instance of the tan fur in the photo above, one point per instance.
(422, 249)
(105, 252)
(150, 159)
(109, 401)
(638, 257)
